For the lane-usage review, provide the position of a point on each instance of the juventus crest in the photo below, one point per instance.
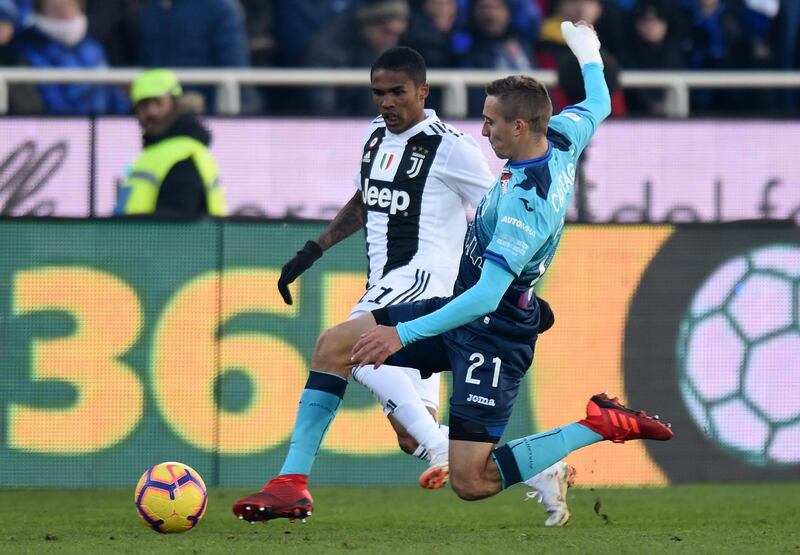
(417, 158)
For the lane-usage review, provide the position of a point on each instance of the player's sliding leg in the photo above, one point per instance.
(473, 477)
(287, 495)
(615, 422)
(550, 485)
(606, 419)
(411, 418)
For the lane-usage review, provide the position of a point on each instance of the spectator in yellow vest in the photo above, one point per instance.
(175, 174)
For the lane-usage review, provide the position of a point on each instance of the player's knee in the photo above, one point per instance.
(468, 489)
(322, 348)
(328, 355)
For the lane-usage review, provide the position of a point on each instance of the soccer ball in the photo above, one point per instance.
(739, 356)
(170, 497)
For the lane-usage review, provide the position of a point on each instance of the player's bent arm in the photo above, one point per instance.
(349, 220)
(598, 99)
(579, 122)
(585, 45)
(479, 300)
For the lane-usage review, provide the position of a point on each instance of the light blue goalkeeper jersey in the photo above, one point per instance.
(517, 227)
(520, 220)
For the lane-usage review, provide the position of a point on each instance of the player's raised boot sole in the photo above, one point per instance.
(616, 422)
(282, 497)
(435, 476)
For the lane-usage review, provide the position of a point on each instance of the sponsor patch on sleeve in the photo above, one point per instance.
(573, 116)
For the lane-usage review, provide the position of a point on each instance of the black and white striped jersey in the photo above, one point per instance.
(416, 187)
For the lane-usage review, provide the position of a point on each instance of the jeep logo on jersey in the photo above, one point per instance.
(386, 199)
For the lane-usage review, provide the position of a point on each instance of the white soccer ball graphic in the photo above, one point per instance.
(739, 356)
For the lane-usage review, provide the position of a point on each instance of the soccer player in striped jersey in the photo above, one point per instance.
(416, 176)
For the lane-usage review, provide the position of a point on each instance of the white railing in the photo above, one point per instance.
(453, 82)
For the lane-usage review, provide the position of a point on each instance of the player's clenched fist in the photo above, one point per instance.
(582, 40)
(304, 259)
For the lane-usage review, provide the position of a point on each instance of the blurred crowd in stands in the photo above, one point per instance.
(509, 35)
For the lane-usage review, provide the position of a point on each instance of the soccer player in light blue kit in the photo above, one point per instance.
(485, 333)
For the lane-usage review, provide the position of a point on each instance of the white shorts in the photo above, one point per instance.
(401, 286)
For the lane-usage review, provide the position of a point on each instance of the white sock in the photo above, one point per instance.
(536, 481)
(420, 425)
(396, 393)
(422, 453)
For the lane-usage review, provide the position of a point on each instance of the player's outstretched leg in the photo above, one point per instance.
(606, 419)
(550, 489)
(286, 496)
(616, 422)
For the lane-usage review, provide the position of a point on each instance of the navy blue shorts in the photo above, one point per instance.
(487, 368)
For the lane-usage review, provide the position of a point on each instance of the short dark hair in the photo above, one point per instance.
(405, 59)
(525, 98)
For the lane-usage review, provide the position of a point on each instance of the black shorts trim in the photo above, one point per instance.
(466, 430)
(329, 383)
(507, 464)
(381, 316)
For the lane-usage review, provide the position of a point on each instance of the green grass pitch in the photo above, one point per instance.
(678, 519)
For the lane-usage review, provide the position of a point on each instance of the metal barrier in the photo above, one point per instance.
(453, 82)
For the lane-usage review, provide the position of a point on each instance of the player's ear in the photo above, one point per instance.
(424, 90)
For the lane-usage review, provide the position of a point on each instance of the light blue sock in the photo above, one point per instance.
(523, 458)
(319, 404)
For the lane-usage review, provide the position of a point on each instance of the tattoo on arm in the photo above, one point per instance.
(349, 220)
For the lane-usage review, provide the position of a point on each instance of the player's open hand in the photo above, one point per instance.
(376, 345)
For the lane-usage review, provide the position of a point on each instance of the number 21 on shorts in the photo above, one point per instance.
(477, 360)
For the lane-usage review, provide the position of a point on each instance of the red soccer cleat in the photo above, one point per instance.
(614, 421)
(286, 496)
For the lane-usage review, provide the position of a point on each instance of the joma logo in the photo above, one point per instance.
(472, 398)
